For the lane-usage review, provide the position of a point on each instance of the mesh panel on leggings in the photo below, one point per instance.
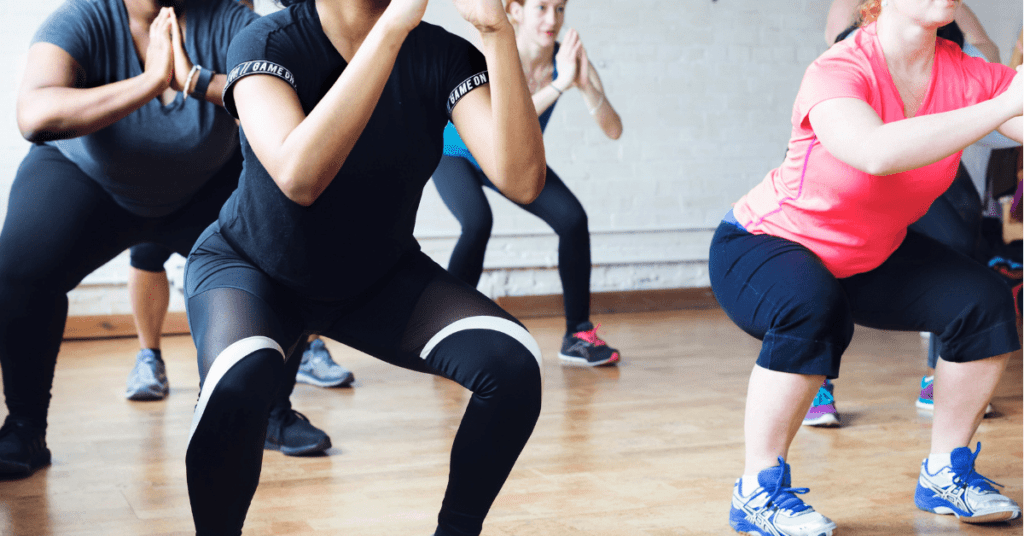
(221, 316)
(443, 302)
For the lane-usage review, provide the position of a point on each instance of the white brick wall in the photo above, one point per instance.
(704, 89)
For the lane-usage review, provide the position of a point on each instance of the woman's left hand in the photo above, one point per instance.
(486, 15)
(583, 78)
(182, 63)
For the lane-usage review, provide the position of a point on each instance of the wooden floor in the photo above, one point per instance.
(649, 448)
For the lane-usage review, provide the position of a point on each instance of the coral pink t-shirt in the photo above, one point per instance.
(852, 220)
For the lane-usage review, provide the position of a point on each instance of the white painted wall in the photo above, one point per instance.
(704, 89)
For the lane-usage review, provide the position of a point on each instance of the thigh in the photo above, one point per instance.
(415, 307)
(60, 224)
(926, 286)
(229, 301)
(460, 186)
(780, 292)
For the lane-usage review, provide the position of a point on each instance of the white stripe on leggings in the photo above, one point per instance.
(492, 323)
(228, 358)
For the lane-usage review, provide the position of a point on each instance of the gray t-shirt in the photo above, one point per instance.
(155, 159)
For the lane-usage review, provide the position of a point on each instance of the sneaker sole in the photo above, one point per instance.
(994, 517)
(580, 361)
(749, 529)
(345, 381)
(827, 420)
(145, 396)
(12, 470)
(300, 451)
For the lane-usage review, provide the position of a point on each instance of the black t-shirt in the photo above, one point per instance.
(362, 223)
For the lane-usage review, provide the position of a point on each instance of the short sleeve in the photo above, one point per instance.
(72, 27)
(253, 52)
(984, 80)
(832, 76)
(464, 70)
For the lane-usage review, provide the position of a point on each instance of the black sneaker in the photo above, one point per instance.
(583, 347)
(22, 448)
(291, 433)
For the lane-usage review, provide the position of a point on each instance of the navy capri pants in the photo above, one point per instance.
(781, 293)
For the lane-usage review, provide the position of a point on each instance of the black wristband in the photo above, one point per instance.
(202, 84)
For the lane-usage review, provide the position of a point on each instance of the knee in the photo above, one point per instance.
(494, 357)
(476, 227)
(237, 391)
(149, 257)
(572, 223)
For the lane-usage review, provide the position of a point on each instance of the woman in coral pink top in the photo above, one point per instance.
(822, 243)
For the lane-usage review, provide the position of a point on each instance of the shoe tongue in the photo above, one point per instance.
(960, 460)
(585, 326)
(769, 478)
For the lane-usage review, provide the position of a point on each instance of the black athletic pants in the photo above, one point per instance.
(417, 316)
(60, 226)
(460, 184)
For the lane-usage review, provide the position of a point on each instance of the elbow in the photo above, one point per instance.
(296, 191)
(33, 129)
(878, 166)
(533, 185)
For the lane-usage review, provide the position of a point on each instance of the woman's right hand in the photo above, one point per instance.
(568, 60)
(404, 14)
(160, 52)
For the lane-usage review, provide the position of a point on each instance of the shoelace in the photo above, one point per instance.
(823, 397)
(785, 498)
(970, 477)
(590, 336)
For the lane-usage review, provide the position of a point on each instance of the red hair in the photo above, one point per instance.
(869, 10)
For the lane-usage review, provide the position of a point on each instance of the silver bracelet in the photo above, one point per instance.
(188, 79)
(598, 106)
(552, 84)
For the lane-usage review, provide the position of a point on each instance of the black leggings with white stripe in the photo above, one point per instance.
(417, 317)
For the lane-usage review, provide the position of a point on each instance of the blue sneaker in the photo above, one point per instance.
(317, 368)
(773, 509)
(957, 489)
(823, 410)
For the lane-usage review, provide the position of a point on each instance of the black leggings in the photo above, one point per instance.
(60, 226)
(460, 184)
(417, 316)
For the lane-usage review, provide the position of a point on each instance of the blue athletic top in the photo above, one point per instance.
(454, 146)
(362, 223)
(156, 158)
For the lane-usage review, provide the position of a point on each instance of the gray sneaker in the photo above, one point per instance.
(317, 368)
(148, 379)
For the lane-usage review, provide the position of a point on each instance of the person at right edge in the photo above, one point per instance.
(822, 244)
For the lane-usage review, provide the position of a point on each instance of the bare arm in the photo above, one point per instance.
(183, 65)
(303, 153)
(974, 33)
(1013, 129)
(852, 131)
(597, 100)
(499, 122)
(52, 106)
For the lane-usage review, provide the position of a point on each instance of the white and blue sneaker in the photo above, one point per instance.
(957, 489)
(773, 508)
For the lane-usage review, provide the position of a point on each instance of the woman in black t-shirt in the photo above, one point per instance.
(342, 105)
